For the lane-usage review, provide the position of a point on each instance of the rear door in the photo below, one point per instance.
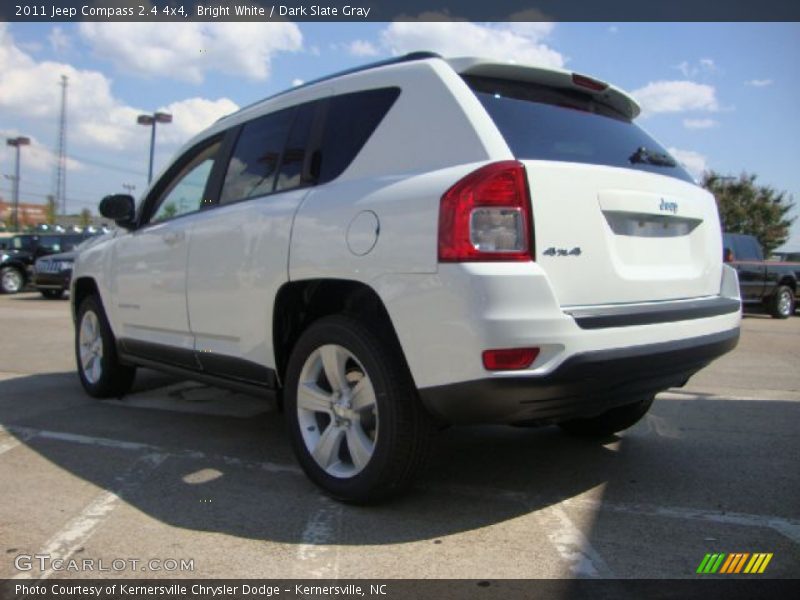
(747, 259)
(616, 219)
(239, 254)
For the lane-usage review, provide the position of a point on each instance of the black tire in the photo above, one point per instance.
(52, 294)
(113, 379)
(781, 303)
(12, 280)
(405, 429)
(610, 422)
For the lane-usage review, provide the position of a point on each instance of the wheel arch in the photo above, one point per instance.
(83, 287)
(299, 303)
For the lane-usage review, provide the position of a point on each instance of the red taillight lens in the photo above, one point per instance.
(588, 83)
(509, 360)
(487, 216)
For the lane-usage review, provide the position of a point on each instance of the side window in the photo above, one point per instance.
(184, 194)
(294, 155)
(351, 120)
(50, 243)
(254, 163)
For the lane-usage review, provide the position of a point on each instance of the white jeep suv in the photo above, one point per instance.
(415, 243)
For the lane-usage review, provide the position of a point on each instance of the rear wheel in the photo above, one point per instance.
(52, 294)
(610, 422)
(781, 304)
(355, 420)
(11, 280)
(99, 369)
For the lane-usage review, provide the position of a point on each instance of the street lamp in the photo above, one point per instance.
(17, 143)
(151, 120)
(129, 187)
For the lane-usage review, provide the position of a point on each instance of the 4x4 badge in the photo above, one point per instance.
(552, 251)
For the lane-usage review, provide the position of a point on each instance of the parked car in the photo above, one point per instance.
(791, 257)
(415, 243)
(17, 261)
(53, 273)
(770, 286)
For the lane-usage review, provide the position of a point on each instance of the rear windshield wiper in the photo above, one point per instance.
(658, 159)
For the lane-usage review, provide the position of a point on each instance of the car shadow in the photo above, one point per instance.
(479, 476)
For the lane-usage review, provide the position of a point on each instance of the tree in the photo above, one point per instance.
(86, 218)
(50, 211)
(745, 207)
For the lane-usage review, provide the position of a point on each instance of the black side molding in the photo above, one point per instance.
(648, 314)
(215, 369)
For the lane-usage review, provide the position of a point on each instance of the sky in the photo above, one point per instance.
(721, 96)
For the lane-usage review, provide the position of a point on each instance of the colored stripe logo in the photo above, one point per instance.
(734, 563)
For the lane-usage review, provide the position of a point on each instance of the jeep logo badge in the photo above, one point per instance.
(668, 206)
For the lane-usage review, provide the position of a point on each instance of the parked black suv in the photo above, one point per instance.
(17, 261)
(763, 285)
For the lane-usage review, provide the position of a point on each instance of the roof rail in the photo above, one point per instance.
(411, 56)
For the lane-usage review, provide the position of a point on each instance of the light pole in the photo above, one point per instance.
(129, 187)
(17, 143)
(151, 120)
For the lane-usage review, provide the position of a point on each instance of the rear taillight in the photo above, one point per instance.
(487, 216)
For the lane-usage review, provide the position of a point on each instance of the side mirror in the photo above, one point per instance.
(727, 255)
(121, 208)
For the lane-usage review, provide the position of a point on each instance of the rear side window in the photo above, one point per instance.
(744, 247)
(540, 123)
(254, 164)
(351, 120)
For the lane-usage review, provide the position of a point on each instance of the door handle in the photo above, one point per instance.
(172, 237)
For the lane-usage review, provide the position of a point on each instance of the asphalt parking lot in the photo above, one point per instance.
(180, 471)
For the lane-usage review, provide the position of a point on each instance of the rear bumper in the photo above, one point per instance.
(584, 385)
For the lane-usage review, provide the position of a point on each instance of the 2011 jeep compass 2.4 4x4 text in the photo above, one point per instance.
(415, 243)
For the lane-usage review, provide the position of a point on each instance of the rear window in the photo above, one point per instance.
(743, 247)
(541, 123)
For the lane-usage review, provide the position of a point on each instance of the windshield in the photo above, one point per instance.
(544, 123)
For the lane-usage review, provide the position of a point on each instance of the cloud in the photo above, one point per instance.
(699, 123)
(60, 42)
(36, 156)
(187, 51)
(613, 29)
(296, 82)
(759, 82)
(703, 66)
(362, 48)
(97, 118)
(692, 161)
(676, 96)
(519, 42)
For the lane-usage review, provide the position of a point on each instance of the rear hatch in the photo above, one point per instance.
(616, 219)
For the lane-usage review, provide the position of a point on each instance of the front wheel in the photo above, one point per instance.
(99, 369)
(355, 420)
(610, 422)
(781, 304)
(11, 280)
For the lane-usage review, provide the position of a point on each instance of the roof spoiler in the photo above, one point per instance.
(601, 91)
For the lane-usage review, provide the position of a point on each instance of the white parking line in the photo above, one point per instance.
(787, 527)
(76, 533)
(570, 543)
(316, 557)
(12, 441)
(76, 438)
